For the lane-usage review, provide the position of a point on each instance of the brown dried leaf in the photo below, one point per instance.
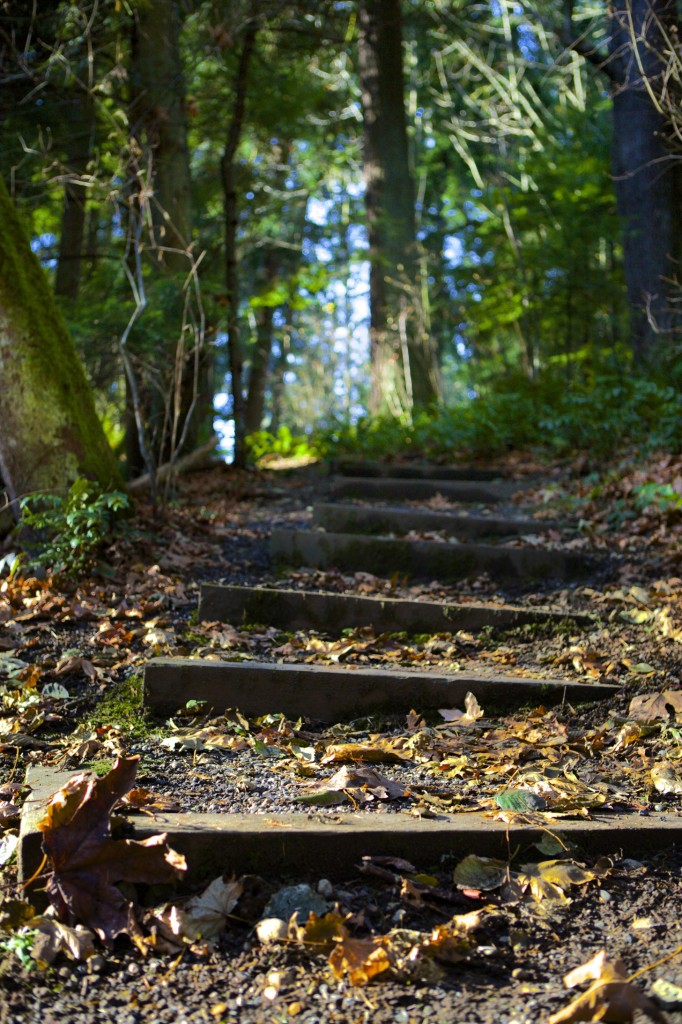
(651, 706)
(612, 1001)
(141, 799)
(86, 863)
(472, 712)
(359, 960)
(321, 932)
(208, 914)
(666, 780)
(366, 784)
(375, 754)
(611, 997)
(54, 937)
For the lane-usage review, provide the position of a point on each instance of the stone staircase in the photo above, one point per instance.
(352, 537)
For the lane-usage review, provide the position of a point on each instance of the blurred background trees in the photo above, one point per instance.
(292, 214)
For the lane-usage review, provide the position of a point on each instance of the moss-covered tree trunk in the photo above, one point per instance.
(49, 431)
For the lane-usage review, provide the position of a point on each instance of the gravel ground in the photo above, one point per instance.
(514, 977)
(524, 946)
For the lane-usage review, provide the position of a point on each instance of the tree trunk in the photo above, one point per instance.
(258, 377)
(404, 368)
(50, 431)
(231, 220)
(647, 174)
(79, 148)
(158, 114)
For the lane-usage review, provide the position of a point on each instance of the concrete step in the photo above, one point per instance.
(330, 613)
(412, 470)
(310, 846)
(331, 693)
(387, 489)
(340, 518)
(422, 559)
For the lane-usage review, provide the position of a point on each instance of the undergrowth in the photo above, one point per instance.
(600, 416)
(65, 533)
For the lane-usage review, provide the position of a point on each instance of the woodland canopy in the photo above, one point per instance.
(454, 223)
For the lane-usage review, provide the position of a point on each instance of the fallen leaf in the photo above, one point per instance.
(611, 997)
(666, 780)
(472, 712)
(54, 938)
(86, 863)
(208, 914)
(649, 707)
(8, 846)
(376, 754)
(551, 878)
(520, 800)
(359, 960)
(482, 873)
(320, 932)
(141, 799)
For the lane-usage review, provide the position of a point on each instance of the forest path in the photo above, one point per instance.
(562, 785)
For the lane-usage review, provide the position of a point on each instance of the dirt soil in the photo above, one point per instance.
(87, 642)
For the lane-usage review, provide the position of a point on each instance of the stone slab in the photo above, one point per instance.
(412, 470)
(331, 613)
(332, 846)
(423, 559)
(340, 518)
(330, 693)
(387, 489)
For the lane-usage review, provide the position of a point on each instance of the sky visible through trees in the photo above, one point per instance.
(345, 207)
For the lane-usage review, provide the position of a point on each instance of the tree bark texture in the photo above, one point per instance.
(258, 377)
(50, 431)
(231, 221)
(647, 174)
(403, 356)
(277, 263)
(158, 114)
(79, 148)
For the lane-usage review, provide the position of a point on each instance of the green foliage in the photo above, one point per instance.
(283, 443)
(20, 944)
(661, 496)
(599, 415)
(67, 532)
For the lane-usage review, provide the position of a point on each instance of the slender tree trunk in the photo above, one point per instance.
(79, 149)
(231, 220)
(50, 431)
(278, 262)
(647, 175)
(404, 369)
(158, 114)
(278, 382)
(258, 377)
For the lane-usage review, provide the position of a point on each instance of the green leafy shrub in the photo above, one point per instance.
(661, 496)
(66, 533)
(599, 414)
(283, 443)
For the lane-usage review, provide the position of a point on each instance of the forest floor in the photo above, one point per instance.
(487, 943)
